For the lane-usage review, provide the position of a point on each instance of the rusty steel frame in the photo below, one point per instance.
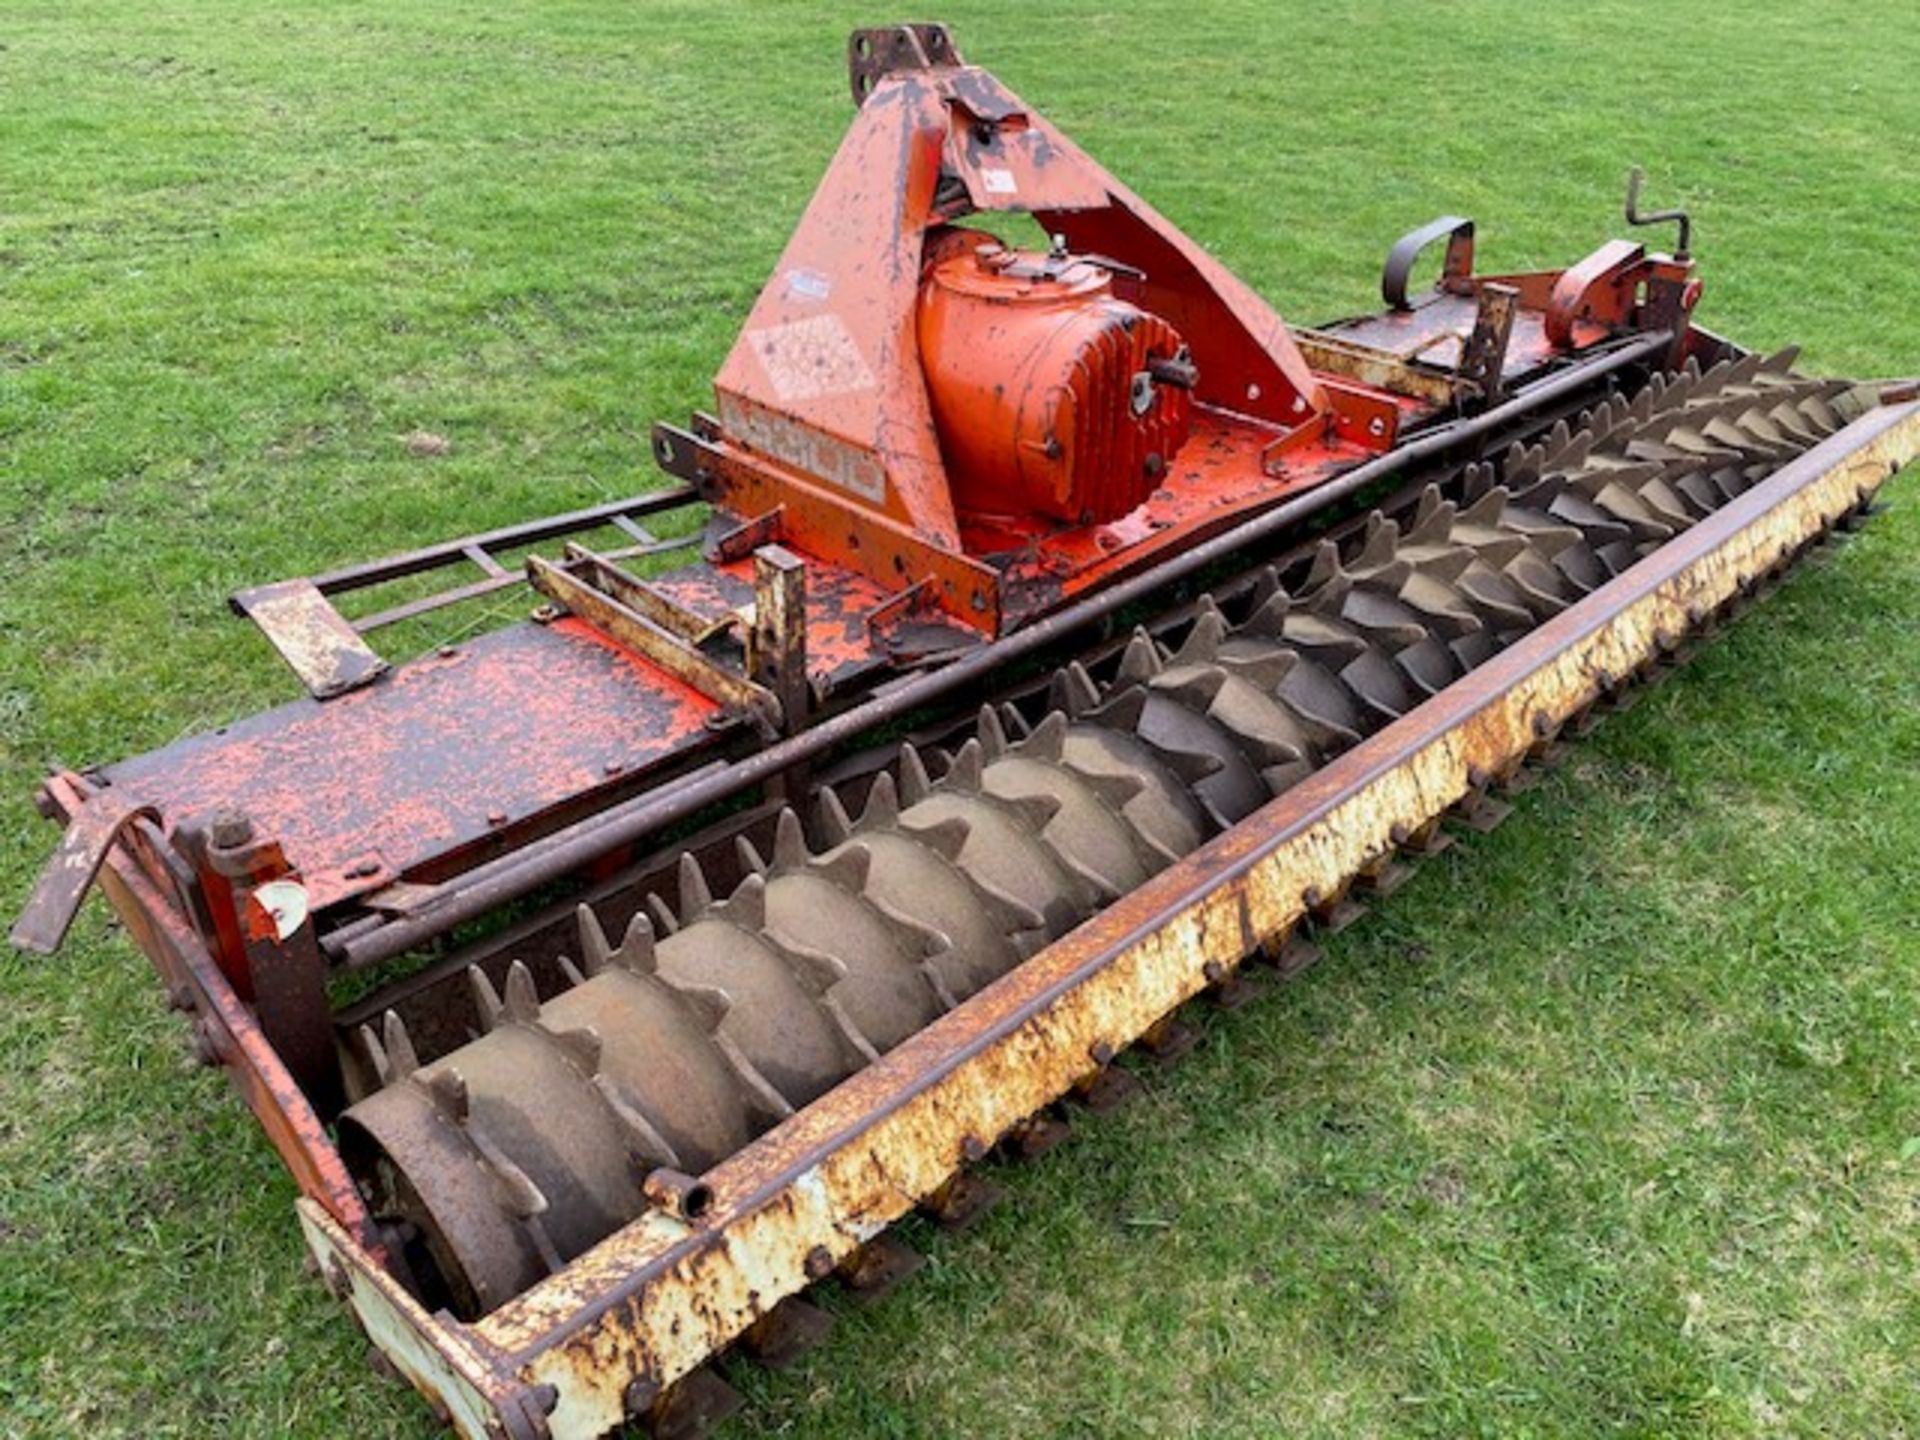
(1330, 355)
(595, 1344)
(552, 857)
(226, 1030)
(328, 651)
(605, 597)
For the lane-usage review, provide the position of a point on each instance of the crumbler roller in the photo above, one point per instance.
(1034, 638)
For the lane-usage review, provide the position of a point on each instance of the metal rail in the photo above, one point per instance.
(470, 548)
(552, 857)
(329, 651)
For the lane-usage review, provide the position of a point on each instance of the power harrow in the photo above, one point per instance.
(1053, 633)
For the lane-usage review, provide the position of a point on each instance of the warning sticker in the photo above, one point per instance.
(806, 358)
(998, 181)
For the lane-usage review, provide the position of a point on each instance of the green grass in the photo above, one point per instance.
(1608, 1124)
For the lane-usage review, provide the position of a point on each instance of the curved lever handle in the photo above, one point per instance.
(1458, 233)
(1635, 177)
(63, 884)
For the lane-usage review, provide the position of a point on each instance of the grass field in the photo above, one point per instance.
(1608, 1124)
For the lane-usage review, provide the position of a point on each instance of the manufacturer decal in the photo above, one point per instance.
(812, 357)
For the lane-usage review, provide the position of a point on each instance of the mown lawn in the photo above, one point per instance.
(1608, 1124)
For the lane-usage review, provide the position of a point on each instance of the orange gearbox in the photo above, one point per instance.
(1052, 395)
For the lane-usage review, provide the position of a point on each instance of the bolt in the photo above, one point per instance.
(819, 1263)
(496, 817)
(639, 1397)
(1100, 1052)
(973, 1149)
(230, 830)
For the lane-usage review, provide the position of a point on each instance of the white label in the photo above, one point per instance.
(286, 902)
(998, 181)
(808, 285)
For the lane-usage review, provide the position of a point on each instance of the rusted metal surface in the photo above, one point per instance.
(1331, 355)
(658, 1297)
(878, 51)
(286, 978)
(1435, 332)
(651, 601)
(322, 649)
(608, 611)
(1597, 291)
(777, 647)
(826, 402)
(91, 835)
(466, 1384)
(1205, 705)
(931, 451)
(438, 1006)
(438, 767)
(1747, 408)
(457, 752)
(1484, 359)
(841, 654)
(329, 652)
(225, 1028)
(553, 856)
(1618, 289)
(878, 547)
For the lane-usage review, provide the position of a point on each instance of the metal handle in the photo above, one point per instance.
(1458, 265)
(1657, 217)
